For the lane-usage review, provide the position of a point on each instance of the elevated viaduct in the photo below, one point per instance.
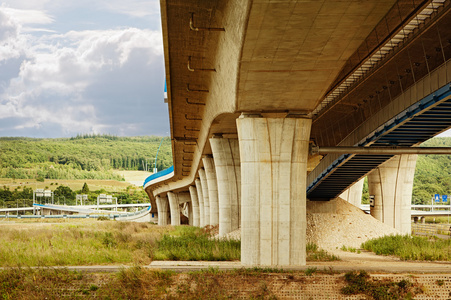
(254, 87)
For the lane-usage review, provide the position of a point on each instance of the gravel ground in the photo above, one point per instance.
(348, 226)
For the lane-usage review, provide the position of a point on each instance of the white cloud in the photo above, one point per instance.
(27, 16)
(66, 85)
(135, 8)
(81, 81)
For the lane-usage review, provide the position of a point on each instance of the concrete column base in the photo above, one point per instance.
(163, 210)
(391, 185)
(227, 162)
(274, 154)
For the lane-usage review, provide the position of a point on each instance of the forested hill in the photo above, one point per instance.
(433, 173)
(81, 157)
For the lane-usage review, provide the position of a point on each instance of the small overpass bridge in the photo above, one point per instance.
(254, 86)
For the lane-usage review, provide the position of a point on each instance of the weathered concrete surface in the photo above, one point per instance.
(174, 206)
(273, 176)
(228, 172)
(391, 185)
(163, 210)
(354, 193)
(200, 197)
(195, 207)
(205, 195)
(212, 182)
(294, 50)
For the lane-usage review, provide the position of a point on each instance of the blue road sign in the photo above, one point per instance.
(437, 197)
(445, 198)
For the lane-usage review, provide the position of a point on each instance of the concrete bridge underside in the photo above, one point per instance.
(251, 84)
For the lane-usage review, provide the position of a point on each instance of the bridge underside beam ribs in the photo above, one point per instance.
(379, 150)
(274, 154)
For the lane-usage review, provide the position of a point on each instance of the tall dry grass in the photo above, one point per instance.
(81, 243)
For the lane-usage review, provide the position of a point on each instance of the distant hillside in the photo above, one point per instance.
(82, 157)
(96, 156)
(433, 173)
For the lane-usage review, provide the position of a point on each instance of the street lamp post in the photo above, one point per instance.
(155, 169)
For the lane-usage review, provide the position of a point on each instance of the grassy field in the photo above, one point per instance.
(52, 184)
(411, 247)
(80, 242)
(93, 242)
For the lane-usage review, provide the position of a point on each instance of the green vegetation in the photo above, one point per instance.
(132, 283)
(350, 249)
(410, 247)
(86, 242)
(23, 195)
(316, 254)
(432, 173)
(82, 157)
(361, 283)
(95, 242)
(192, 243)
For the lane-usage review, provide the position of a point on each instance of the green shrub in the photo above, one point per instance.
(361, 283)
(410, 247)
(191, 243)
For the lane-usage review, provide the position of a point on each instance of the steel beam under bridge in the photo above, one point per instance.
(315, 150)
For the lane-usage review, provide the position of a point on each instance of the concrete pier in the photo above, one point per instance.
(391, 185)
(354, 193)
(210, 172)
(274, 154)
(195, 206)
(226, 153)
(163, 210)
(174, 206)
(200, 197)
(205, 194)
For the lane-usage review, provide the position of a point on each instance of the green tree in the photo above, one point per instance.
(64, 191)
(85, 189)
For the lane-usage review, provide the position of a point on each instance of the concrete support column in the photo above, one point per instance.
(195, 206)
(274, 154)
(200, 197)
(163, 210)
(203, 180)
(228, 172)
(189, 210)
(174, 205)
(391, 185)
(354, 193)
(210, 172)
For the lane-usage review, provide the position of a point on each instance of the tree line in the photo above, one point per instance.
(23, 196)
(81, 157)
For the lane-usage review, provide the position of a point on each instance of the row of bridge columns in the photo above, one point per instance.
(258, 183)
(390, 185)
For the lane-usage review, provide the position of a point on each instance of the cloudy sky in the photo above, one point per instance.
(79, 66)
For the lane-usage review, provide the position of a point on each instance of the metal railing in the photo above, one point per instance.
(431, 229)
